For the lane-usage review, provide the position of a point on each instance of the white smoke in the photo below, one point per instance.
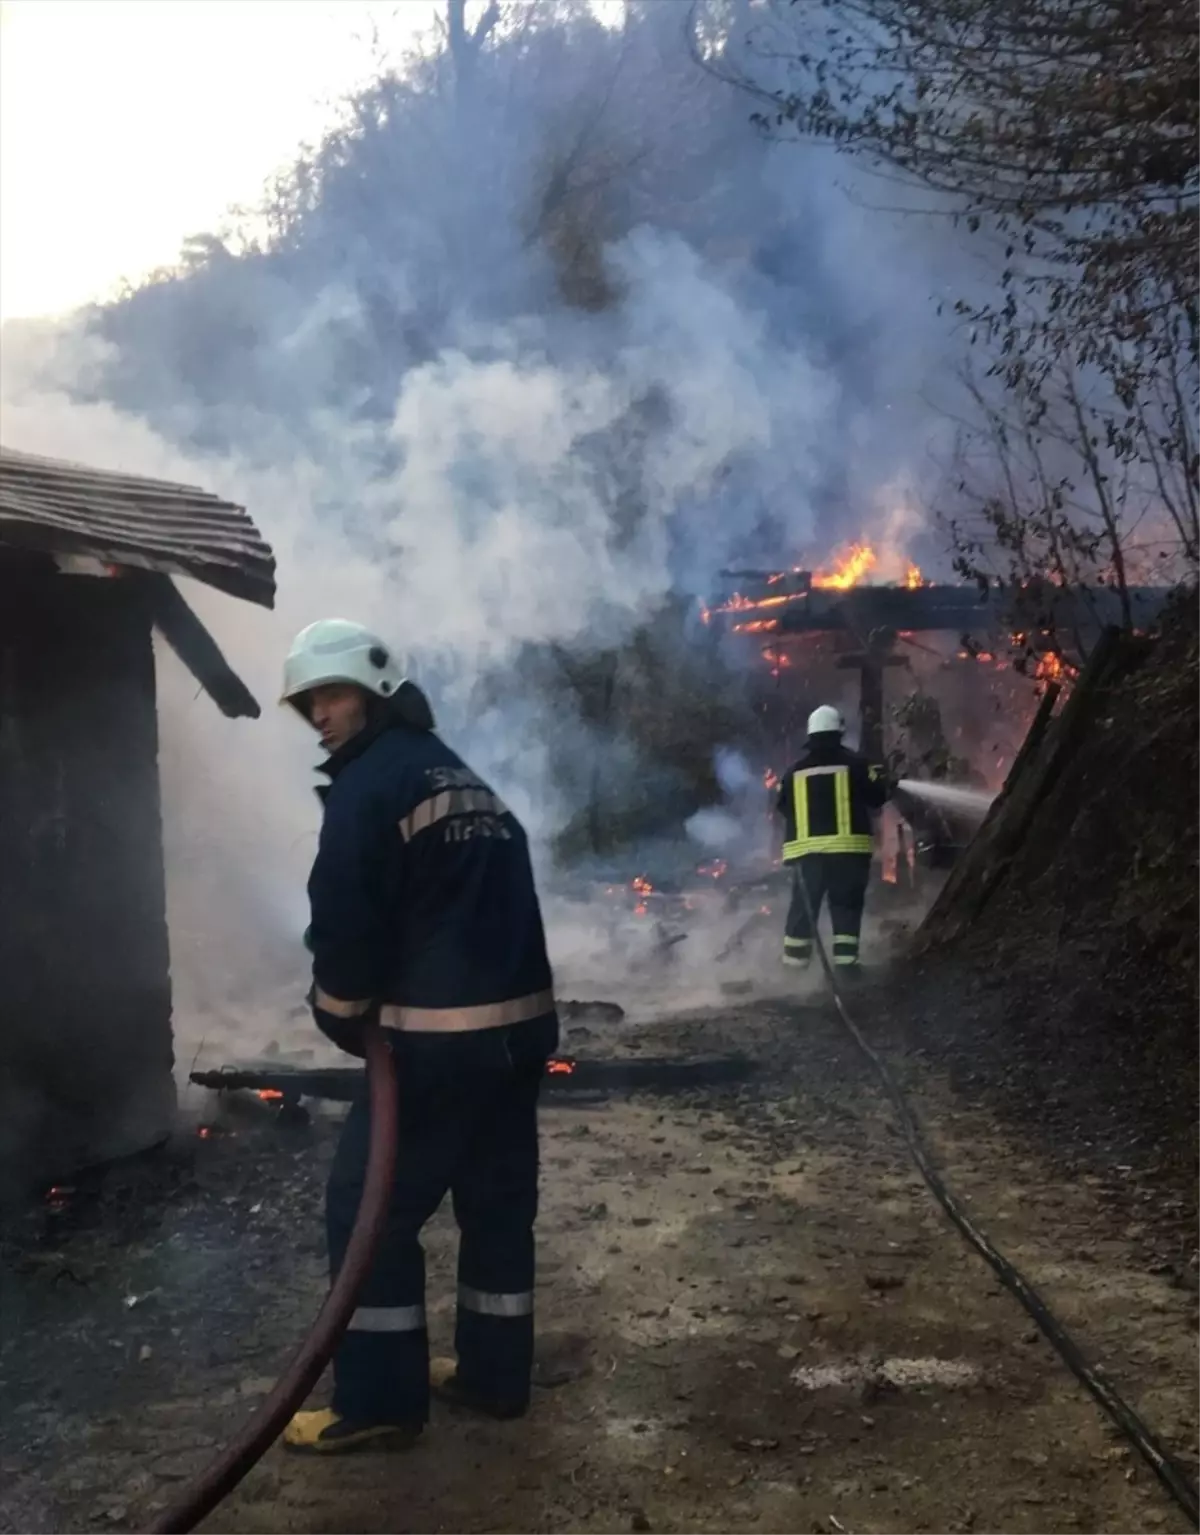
(491, 479)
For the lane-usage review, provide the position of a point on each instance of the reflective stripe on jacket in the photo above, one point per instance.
(827, 800)
(425, 915)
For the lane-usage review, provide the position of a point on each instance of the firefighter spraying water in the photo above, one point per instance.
(828, 801)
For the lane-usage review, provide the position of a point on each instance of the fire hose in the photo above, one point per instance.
(1126, 1418)
(223, 1474)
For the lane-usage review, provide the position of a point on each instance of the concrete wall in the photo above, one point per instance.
(85, 1004)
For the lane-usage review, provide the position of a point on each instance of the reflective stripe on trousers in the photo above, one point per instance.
(387, 1319)
(493, 1303)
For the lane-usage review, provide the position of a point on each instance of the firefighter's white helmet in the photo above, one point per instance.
(825, 721)
(336, 650)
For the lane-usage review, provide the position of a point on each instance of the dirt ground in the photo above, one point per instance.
(752, 1317)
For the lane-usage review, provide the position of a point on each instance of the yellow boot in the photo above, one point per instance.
(325, 1432)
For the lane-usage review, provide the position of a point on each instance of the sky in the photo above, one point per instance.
(126, 125)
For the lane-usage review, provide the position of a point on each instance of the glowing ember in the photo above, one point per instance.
(269, 1094)
(642, 888)
(713, 870)
(1050, 668)
(204, 1132)
(740, 604)
(757, 626)
(850, 569)
(556, 1067)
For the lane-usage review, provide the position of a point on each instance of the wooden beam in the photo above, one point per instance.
(194, 646)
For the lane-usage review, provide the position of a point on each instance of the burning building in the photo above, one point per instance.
(810, 623)
(937, 679)
(86, 566)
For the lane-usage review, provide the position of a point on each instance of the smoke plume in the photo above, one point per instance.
(542, 336)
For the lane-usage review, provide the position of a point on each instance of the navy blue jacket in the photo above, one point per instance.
(422, 893)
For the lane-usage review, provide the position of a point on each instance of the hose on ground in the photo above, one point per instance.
(223, 1474)
(1131, 1424)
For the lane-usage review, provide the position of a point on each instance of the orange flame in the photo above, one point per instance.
(850, 569)
(912, 578)
(269, 1094)
(1050, 668)
(559, 1068)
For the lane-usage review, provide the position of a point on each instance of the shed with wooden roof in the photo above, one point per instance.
(87, 560)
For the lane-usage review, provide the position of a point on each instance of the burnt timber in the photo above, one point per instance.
(344, 1084)
(955, 608)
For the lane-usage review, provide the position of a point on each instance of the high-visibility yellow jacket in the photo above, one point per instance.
(827, 800)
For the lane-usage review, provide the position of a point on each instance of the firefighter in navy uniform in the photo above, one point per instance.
(424, 917)
(827, 801)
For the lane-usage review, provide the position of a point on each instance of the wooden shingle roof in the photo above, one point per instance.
(62, 508)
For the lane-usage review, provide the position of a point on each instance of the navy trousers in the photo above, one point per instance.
(840, 878)
(468, 1126)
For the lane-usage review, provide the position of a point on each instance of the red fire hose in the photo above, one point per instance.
(222, 1475)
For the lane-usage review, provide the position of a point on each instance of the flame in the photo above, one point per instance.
(642, 888)
(204, 1132)
(556, 1067)
(770, 779)
(912, 578)
(269, 1094)
(1050, 668)
(849, 570)
(757, 626)
(714, 870)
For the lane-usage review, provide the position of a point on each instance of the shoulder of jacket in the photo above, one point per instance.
(386, 767)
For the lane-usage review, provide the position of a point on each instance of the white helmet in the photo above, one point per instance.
(825, 721)
(336, 650)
